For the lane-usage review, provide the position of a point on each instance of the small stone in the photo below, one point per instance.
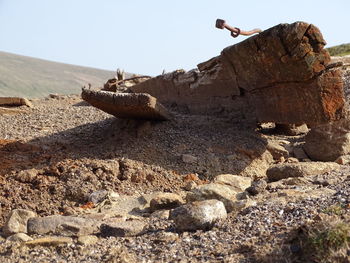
(160, 214)
(292, 160)
(198, 215)
(188, 158)
(87, 240)
(17, 221)
(257, 187)
(220, 192)
(277, 151)
(50, 241)
(123, 228)
(27, 176)
(344, 159)
(190, 185)
(239, 183)
(167, 237)
(166, 201)
(98, 196)
(19, 237)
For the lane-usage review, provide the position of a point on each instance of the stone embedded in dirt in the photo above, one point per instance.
(27, 176)
(344, 159)
(270, 77)
(123, 228)
(286, 170)
(87, 240)
(327, 142)
(15, 101)
(188, 158)
(277, 150)
(127, 105)
(238, 183)
(257, 187)
(166, 237)
(19, 237)
(198, 215)
(17, 221)
(166, 201)
(160, 214)
(62, 225)
(190, 185)
(228, 195)
(49, 241)
(97, 196)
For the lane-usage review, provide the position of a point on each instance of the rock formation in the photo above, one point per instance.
(279, 75)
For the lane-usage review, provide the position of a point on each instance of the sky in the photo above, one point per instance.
(147, 37)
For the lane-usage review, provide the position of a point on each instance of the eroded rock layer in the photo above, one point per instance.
(279, 75)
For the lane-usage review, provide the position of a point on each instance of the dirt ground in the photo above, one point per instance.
(54, 155)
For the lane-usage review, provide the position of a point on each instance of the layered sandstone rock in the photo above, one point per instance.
(279, 75)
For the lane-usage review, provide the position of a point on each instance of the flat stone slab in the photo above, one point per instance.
(15, 101)
(126, 105)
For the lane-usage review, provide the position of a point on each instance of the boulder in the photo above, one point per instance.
(127, 105)
(198, 215)
(302, 169)
(270, 77)
(16, 221)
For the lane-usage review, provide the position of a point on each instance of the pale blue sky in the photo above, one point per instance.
(146, 37)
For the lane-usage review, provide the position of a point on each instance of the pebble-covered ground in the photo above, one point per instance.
(54, 155)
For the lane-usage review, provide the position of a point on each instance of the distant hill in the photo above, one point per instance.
(340, 50)
(35, 78)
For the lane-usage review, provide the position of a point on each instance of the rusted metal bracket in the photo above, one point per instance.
(235, 31)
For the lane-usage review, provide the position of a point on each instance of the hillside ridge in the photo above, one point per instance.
(34, 77)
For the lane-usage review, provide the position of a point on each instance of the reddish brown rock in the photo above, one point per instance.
(279, 75)
(126, 105)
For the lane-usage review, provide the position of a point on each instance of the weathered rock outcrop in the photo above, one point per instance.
(126, 105)
(279, 75)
